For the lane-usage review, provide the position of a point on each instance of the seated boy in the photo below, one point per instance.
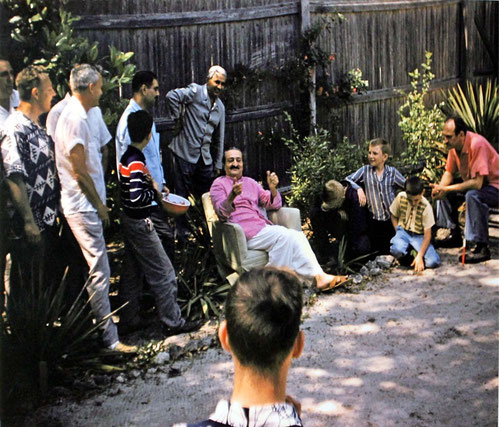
(145, 255)
(380, 182)
(262, 332)
(412, 218)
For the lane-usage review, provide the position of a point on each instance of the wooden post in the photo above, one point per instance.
(305, 25)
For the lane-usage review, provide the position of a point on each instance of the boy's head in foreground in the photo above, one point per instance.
(262, 321)
(379, 151)
(414, 189)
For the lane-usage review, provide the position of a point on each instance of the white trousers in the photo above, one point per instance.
(286, 248)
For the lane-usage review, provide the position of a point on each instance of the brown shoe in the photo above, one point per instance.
(124, 348)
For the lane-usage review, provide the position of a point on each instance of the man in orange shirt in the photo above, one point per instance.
(477, 162)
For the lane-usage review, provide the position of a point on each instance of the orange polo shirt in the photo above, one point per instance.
(477, 157)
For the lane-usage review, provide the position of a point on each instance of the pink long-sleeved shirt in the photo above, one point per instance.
(246, 210)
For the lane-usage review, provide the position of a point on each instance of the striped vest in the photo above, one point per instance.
(405, 207)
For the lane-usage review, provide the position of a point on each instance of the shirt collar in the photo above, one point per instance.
(467, 143)
(78, 108)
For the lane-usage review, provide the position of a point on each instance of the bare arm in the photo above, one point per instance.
(395, 221)
(77, 159)
(440, 190)
(19, 194)
(418, 262)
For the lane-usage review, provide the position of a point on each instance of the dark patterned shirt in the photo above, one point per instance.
(29, 151)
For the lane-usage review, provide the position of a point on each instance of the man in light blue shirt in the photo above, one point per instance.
(145, 90)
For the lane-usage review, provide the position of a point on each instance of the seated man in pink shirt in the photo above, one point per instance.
(239, 200)
(477, 162)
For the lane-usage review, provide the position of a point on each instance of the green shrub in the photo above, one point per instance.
(478, 108)
(422, 128)
(315, 160)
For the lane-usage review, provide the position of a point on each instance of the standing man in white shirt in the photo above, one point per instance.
(83, 195)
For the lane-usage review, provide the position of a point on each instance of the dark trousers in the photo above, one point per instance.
(164, 230)
(190, 178)
(380, 233)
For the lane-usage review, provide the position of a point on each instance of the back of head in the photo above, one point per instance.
(81, 77)
(27, 79)
(263, 311)
(216, 69)
(414, 186)
(139, 125)
(380, 142)
(143, 77)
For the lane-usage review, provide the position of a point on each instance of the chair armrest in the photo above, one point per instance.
(288, 217)
(230, 244)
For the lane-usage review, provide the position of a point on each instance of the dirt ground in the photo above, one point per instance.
(408, 349)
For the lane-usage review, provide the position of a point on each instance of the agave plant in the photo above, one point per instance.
(478, 106)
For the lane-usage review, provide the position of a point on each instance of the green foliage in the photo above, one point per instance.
(201, 293)
(316, 159)
(478, 108)
(39, 330)
(421, 127)
(44, 32)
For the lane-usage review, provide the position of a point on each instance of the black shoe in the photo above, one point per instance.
(188, 326)
(479, 256)
(454, 240)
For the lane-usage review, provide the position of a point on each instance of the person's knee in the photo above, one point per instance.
(472, 196)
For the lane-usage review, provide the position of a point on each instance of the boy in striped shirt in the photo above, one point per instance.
(380, 182)
(145, 255)
(412, 219)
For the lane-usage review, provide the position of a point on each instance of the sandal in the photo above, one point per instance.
(337, 281)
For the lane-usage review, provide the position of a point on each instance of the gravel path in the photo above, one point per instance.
(409, 349)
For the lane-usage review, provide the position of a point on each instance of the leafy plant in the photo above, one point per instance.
(478, 107)
(421, 127)
(315, 160)
(200, 290)
(40, 333)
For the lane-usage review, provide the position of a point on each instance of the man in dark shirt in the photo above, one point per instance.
(144, 250)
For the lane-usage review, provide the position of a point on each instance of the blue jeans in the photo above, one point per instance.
(478, 203)
(399, 246)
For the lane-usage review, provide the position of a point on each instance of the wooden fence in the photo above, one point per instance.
(180, 39)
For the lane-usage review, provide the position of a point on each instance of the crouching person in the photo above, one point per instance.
(412, 218)
(261, 330)
(145, 255)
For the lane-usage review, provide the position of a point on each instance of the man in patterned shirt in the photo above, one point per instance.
(380, 182)
(31, 177)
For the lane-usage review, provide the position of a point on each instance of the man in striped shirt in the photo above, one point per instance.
(145, 254)
(380, 182)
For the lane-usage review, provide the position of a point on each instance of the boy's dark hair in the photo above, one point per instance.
(414, 186)
(385, 146)
(142, 78)
(459, 124)
(263, 311)
(139, 125)
(29, 78)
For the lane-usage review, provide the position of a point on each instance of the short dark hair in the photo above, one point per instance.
(143, 77)
(414, 186)
(385, 146)
(459, 124)
(263, 311)
(139, 125)
(29, 78)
